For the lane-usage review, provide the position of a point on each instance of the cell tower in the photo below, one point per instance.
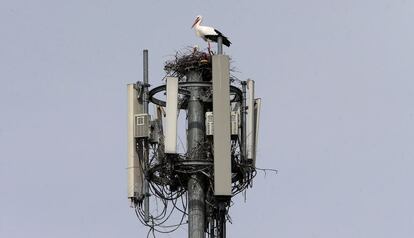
(222, 120)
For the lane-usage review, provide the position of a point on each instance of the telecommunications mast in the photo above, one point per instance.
(222, 118)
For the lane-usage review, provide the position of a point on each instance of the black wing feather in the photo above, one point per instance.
(226, 41)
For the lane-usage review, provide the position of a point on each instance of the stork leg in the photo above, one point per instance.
(209, 47)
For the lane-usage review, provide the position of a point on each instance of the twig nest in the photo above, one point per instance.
(191, 60)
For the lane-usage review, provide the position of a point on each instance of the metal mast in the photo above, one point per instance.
(145, 141)
(222, 125)
(195, 136)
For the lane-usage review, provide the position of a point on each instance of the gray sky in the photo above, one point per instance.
(336, 78)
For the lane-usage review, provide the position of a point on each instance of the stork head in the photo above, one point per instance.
(197, 20)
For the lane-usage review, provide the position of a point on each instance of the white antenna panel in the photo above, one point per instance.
(135, 175)
(257, 107)
(171, 116)
(250, 132)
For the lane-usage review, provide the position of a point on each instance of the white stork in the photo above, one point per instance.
(208, 33)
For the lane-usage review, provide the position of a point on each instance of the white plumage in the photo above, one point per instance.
(207, 33)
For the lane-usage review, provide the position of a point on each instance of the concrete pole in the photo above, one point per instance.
(195, 135)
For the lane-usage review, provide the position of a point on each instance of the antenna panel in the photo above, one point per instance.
(257, 108)
(250, 120)
(135, 175)
(171, 115)
(221, 118)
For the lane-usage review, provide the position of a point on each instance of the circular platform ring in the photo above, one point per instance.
(182, 86)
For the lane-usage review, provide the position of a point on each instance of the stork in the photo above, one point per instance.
(207, 33)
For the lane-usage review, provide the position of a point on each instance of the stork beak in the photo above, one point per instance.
(195, 22)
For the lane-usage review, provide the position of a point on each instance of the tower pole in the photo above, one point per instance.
(220, 45)
(195, 136)
(145, 141)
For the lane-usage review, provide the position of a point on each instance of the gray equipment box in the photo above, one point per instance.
(234, 120)
(142, 126)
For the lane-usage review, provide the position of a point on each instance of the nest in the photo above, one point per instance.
(193, 60)
(189, 60)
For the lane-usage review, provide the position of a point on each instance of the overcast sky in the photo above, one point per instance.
(336, 79)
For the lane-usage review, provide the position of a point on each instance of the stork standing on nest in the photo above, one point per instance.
(209, 34)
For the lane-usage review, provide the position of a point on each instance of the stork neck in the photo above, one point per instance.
(197, 25)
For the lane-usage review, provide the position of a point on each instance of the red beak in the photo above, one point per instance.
(195, 22)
